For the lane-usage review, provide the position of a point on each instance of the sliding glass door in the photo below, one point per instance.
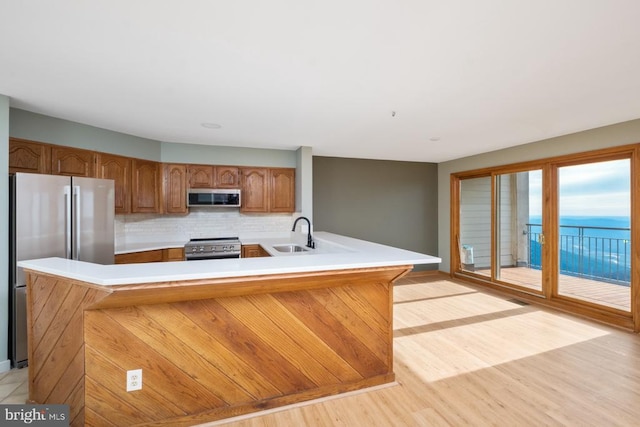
(518, 229)
(475, 225)
(594, 233)
(501, 227)
(559, 229)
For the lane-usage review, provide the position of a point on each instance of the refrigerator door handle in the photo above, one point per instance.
(67, 222)
(75, 220)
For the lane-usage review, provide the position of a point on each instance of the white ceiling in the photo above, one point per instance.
(462, 77)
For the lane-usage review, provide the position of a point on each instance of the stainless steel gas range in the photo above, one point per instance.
(212, 248)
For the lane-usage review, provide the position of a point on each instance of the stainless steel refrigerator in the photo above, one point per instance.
(54, 216)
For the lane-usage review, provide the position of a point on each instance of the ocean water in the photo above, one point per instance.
(590, 246)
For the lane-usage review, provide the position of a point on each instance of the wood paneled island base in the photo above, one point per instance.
(208, 349)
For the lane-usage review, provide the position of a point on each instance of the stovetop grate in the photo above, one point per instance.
(213, 239)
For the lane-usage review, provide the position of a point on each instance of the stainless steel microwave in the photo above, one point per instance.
(213, 197)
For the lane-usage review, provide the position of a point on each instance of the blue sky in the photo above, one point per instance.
(594, 189)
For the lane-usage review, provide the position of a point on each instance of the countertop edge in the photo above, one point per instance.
(351, 254)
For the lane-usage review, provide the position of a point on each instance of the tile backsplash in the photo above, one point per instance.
(198, 223)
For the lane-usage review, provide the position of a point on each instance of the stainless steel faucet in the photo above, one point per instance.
(310, 243)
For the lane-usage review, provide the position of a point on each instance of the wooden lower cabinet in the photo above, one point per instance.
(173, 254)
(253, 251)
(296, 337)
(156, 255)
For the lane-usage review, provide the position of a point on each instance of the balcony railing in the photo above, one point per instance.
(598, 253)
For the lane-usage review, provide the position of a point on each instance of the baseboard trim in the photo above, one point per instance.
(5, 366)
(298, 405)
(422, 273)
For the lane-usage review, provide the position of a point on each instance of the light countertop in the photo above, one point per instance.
(333, 252)
(125, 246)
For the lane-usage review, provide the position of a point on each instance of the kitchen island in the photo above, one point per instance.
(214, 339)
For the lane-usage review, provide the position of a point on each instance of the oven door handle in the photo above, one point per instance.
(198, 257)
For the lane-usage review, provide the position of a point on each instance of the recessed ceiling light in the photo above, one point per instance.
(210, 125)
(434, 138)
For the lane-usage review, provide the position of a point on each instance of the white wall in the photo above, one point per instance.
(475, 219)
(604, 137)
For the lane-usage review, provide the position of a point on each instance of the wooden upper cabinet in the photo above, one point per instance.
(208, 176)
(255, 190)
(36, 157)
(73, 162)
(201, 176)
(118, 169)
(28, 156)
(226, 177)
(282, 190)
(146, 186)
(175, 188)
(268, 190)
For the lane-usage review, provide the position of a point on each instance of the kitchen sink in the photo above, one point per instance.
(290, 247)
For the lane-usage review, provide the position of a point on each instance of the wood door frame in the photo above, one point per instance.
(549, 257)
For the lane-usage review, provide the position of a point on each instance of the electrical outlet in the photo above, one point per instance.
(134, 380)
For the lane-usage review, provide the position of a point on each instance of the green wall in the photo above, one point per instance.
(304, 182)
(604, 137)
(387, 202)
(38, 127)
(219, 155)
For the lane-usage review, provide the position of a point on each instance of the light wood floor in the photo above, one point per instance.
(467, 357)
(464, 356)
(607, 294)
(14, 386)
